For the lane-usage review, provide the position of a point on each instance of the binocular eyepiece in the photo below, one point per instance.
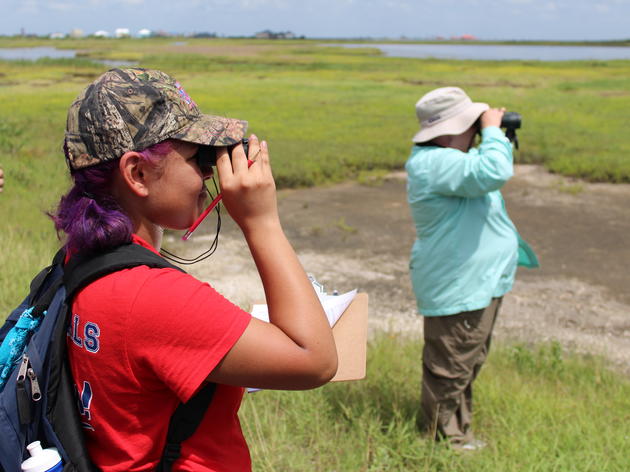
(207, 155)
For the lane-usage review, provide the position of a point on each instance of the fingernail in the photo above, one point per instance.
(253, 136)
(263, 145)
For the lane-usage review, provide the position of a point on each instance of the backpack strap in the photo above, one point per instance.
(38, 281)
(183, 424)
(83, 269)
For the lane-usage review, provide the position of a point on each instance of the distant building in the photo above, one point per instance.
(76, 33)
(122, 33)
(57, 35)
(145, 33)
(101, 34)
(268, 34)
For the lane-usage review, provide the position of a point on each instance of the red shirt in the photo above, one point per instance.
(142, 340)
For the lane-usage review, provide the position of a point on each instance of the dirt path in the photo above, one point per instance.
(355, 235)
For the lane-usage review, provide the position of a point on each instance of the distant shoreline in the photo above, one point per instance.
(478, 42)
(607, 43)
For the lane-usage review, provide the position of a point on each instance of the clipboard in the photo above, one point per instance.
(350, 334)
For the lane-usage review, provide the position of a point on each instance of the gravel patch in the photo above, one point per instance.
(355, 236)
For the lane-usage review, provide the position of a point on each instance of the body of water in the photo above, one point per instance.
(490, 52)
(32, 54)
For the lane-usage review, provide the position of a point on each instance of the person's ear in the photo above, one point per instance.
(134, 172)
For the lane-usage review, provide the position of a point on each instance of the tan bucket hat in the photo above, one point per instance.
(446, 111)
(133, 109)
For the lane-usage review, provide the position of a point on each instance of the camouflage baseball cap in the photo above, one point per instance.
(132, 109)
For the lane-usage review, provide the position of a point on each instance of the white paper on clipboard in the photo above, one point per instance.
(334, 306)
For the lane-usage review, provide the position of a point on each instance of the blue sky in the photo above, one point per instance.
(486, 19)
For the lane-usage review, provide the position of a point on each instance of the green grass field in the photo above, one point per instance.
(332, 114)
(539, 409)
(329, 114)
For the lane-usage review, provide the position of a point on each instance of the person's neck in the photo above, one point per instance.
(151, 233)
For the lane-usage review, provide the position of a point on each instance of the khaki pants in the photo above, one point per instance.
(455, 348)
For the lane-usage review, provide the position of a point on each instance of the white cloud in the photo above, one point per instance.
(31, 7)
(523, 19)
(398, 4)
(245, 4)
(60, 6)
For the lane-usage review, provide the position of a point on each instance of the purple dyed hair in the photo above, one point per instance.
(89, 214)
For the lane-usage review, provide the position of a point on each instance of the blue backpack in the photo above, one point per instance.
(38, 399)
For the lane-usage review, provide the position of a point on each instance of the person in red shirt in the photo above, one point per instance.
(143, 340)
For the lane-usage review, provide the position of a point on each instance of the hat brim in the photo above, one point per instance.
(452, 126)
(210, 130)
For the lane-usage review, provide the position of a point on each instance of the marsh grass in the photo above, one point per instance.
(331, 114)
(539, 409)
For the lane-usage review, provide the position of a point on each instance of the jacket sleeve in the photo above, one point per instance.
(473, 174)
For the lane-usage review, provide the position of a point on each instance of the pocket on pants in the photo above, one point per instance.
(453, 343)
(469, 327)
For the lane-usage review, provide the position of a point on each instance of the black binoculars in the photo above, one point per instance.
(207, 155)
(511, 121)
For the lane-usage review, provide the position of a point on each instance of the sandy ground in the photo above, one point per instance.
(359, 236)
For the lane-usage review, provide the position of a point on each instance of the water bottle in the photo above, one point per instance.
(42, 460)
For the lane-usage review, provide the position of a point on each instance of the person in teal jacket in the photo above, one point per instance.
(466, 251)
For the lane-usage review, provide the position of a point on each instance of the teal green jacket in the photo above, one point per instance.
(466, 249)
